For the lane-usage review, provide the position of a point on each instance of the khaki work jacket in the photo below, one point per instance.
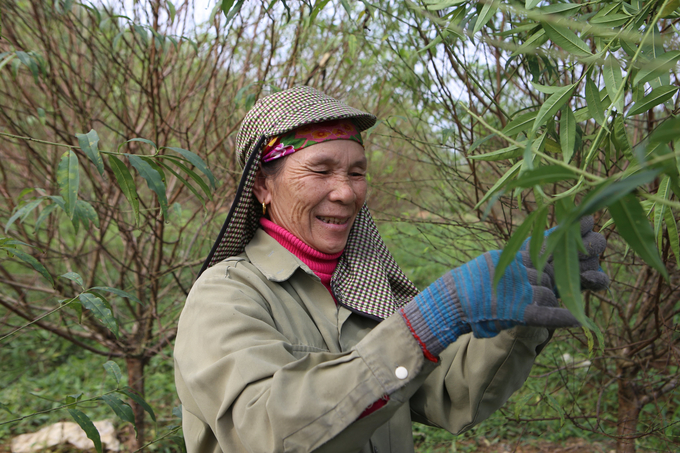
(266, 362)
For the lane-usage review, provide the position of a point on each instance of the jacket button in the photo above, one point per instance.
(375, 449)
(401, 372)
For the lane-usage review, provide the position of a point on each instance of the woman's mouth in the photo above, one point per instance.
(333, 220)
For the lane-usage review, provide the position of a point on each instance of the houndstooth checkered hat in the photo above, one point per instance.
(367, 278)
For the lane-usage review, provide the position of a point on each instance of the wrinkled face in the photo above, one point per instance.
(318, 193)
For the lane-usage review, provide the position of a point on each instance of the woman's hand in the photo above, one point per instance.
(463, 300)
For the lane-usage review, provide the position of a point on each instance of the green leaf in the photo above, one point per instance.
(44, 214)
(566, 265)
(566, 39)
(118, 292)
(68, 178)
(153, 180)
(139, 400)
(657, 96)
(620, 139)
(126, 184)
(666, 132)
(197, 162)
(233, 11)
(552, 105)
(74, 277)
(5, 407)
(595, 106)
(567, 133)
(660, 65)
(113, 369)
(673, 236)
(171, 10)
(22, 211)
(542, 175)
(538, 236)
(86, 424)
(613, 80)
(529, 4)
(664, 191)
(634, 228)
(86, 213)
(520, 123)
(122, 410)
(500, 154)
(508, 174)
(485, 15)
(513, 246)
(30, 63)
(34, 263)
(100, 311)
(609, 192)
(186, 183)
(89, 144)
(142, 140)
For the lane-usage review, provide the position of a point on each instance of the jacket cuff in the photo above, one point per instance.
(416, 323)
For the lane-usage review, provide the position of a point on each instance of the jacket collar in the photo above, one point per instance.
(275, 262)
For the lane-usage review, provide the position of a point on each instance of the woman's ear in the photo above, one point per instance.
(260, 189)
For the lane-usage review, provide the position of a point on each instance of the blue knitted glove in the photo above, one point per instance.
(462, 301)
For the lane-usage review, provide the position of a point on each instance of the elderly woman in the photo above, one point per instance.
(302, 334)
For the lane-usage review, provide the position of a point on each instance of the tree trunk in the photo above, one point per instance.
(135, 369)
(629, 411)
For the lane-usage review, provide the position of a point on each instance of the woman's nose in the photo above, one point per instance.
(342, 190)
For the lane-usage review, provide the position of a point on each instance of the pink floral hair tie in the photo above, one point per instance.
(308, 135)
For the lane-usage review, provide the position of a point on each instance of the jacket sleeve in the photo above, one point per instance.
(475, 377)
(238, 375)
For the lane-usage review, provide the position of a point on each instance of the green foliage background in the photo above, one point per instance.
(498, 119)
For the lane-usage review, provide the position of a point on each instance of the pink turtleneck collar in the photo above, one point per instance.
(322, 264)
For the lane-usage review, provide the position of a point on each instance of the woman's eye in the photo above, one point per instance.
(321, 172)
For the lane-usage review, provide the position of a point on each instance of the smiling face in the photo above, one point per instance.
(318, 193)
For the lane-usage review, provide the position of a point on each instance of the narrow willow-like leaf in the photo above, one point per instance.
(68, 178)
(22, 212)
(113, 369)
(485, 15)
(520, 123)
(531, 44)
(197, 162)
(118, 292)
(34, 263)
(567, 270)
(664, 192)
(595, 106)
(657, 96)
(620, 138)
(89, 143)
(74, 277)
(552, 105)
(139, 400)
(508, 174)
(193, 175)
(567, 133)
(542, 175)
(44, 214)
(126, 184)
(153, 179)
(500, 154)
(634, 228)
(661, 64)
(100, 311)
(121, 409)
(89, 428)
(184, 182)
(566, 39)
(666, 132)
(673, 236)
(613, 80)
(86, 212)
(537, 237)
(529, 4)
(142, 140)
(607, 193)
(513, 247)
